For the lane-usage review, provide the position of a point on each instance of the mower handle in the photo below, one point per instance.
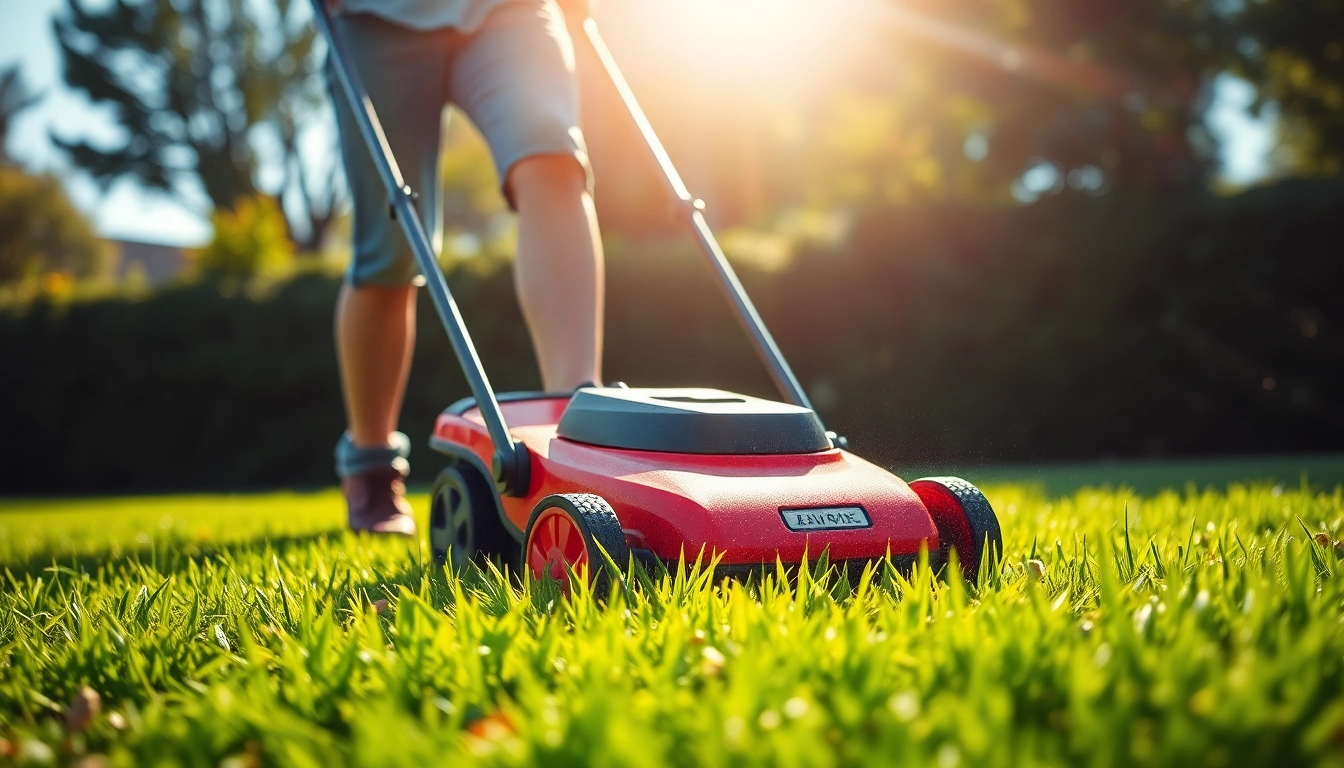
(511, 462)
(694, 208)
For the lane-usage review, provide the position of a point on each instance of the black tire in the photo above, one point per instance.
(464, 521)
(965, 520)
(601, 530)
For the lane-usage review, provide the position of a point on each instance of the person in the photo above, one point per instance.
(509, 65)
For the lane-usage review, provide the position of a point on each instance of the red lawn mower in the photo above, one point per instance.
(548, 481)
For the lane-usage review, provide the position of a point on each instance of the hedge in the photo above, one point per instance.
(1079, 327)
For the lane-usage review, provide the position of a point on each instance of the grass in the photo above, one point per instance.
(1151, 476)
(1192, 628)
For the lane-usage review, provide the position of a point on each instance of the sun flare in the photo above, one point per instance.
(750, 46)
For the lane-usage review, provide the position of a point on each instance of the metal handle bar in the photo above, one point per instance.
(509, 457)
(704, 238)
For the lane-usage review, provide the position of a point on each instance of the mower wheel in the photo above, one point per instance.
(965, 521)
(463, 521)
(567, 534)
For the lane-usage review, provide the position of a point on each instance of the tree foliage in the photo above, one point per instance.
(1293, 50)
(1105, 95)
(41, 231)
(1123, 85)
(215, 93)
(905, 101)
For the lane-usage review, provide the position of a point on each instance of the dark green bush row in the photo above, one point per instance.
(1076, 328)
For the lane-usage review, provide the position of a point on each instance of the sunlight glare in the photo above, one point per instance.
(773, 45)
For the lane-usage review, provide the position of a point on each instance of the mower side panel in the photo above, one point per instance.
(730, 505)
(675, 504)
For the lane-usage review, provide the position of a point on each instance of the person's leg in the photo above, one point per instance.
(559, 271)
(375, 339)
(515, 79)
(375, 313)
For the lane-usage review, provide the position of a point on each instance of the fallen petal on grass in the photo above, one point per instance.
(82, 709)
(713, 661)
(1037, 569)
(493, 727)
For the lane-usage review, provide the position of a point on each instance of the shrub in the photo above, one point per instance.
(41, 230)
(249, 239)
(1078, 328)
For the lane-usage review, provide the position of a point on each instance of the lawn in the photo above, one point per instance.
(1199, 627)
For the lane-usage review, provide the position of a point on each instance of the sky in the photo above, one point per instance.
(128, 212)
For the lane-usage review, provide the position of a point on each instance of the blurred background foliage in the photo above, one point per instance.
(41, 232)
(250, 240)
(1294, 52)
(982, 230)
(925, 340)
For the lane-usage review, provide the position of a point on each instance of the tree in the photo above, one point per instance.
(880, 102)
(41, 231)
(1097, 95)
(14, 98)
(1293, 50)
(214, 92)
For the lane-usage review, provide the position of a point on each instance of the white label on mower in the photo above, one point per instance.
(825, 519)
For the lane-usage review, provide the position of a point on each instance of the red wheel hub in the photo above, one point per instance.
(554, 545)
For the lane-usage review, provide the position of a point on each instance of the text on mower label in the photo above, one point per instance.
(825, 519)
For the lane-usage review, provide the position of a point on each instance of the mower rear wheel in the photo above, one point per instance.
(464, 523)
(965, 521)
(567, 533)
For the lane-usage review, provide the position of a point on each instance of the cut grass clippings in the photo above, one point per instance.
(1177, 629)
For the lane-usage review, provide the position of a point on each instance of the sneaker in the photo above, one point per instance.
(376, 501)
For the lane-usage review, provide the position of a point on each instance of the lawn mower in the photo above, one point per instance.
(566, 484)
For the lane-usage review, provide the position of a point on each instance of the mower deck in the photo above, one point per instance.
(746, 509)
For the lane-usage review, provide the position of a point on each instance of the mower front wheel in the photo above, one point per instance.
(964, 519)
(464, 523)
(567, 534)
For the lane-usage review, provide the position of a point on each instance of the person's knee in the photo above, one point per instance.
(547, 177)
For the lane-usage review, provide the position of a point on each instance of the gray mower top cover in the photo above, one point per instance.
(690, 421)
